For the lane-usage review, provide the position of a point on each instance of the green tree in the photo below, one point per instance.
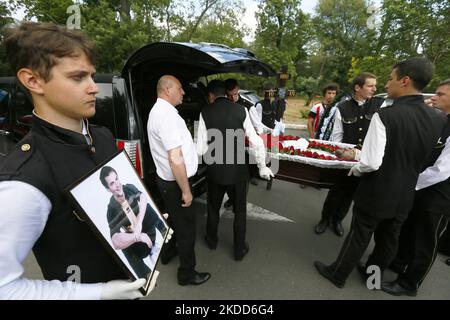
(116, 35)
(222, 32)
(342, 34)
(45, 10)
(282, 35)
(5, 18)
(410, 28)
(118, 27)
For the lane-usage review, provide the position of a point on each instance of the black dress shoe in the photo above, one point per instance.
(321, 227)
(210, 243)
(337, 228)
(447, 262)
(396, 289)
(197, 279)
(239, 255)
(253, 181)
(168, 254)
(323, 270)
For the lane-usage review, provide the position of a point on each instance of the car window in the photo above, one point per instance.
(104, 111)
(4, 98)
(23, 109)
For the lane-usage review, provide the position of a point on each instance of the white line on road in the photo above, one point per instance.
(254, 212)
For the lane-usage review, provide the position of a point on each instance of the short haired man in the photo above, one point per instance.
(418, 243)
(351, 122)
(132, 222)
(176, 162)
(55, 65)
(315, 115)
(255, 114)
(221, 135)
(399, 140)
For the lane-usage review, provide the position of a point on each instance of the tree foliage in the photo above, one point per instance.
(333, 44)
(5, 19)
(410, 28)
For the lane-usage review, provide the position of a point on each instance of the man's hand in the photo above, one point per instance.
(266, 173)
(186, 198)
(354, 171)
(126, 290)
(137, 230)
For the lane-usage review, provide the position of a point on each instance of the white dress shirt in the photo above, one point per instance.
(438, 172)
(372, 152)
(338, 129)
(256, 143)
(24, 213)
(166, 131)
(255, 113)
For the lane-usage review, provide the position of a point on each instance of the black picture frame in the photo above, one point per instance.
(117, 225)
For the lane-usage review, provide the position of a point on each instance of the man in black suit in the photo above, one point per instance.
(351, 122)
(221, 141)
(429, 217)
(399, 140)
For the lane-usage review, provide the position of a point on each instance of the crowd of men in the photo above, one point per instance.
(400, 187)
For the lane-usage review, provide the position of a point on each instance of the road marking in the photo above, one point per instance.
(254, 212)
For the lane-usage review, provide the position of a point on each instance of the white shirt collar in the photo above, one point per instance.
(166, 103)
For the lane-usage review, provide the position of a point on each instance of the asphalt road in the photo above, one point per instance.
(279, 265)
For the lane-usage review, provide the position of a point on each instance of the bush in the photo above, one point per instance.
(304, 114)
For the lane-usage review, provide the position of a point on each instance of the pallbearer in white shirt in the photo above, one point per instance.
(399, 140)
(221, 135)
(54, 65)
(176, 161)
(430, 214)
(351, 122)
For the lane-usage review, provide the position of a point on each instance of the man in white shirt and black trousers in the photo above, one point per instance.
(351, 122)
(427, 221)
(176, 162)
(399, 141)
(55, 66)
(223, 126)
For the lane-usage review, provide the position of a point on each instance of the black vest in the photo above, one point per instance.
(268, 114)
(57, 158)
(436, 198)
(412, 131)
(230, 164)
(356, 119)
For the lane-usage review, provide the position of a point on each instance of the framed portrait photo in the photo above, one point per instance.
(115, 203)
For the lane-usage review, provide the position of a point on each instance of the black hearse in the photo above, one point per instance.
(124, 101)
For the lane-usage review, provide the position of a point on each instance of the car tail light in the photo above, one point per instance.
(133, 149)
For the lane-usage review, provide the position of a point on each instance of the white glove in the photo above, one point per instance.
(126, 290)
(266, 173)
(354, 171)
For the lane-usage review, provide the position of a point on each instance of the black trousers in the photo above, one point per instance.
(135, 255)
(339, 200)
(183, 220)
(386, 233)
(238, 195)
(419, 245)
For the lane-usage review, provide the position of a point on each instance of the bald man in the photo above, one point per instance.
(176, 162)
